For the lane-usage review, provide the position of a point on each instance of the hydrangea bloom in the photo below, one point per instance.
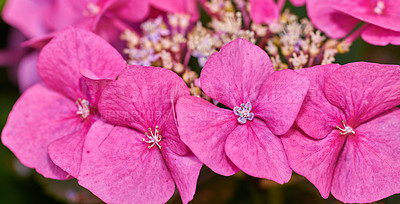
(141, 158)
(337, 18)
(52, 118)
(41, 19)
(262, 102)
(268, 11)
(348, 140)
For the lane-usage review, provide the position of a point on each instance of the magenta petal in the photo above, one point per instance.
(27, 71)
(258, 152)
(368, 167)
(39, 117)
(134, 102)
(66, 152)
(364, 10)
(178, 7)
(93, 86)
(130, 10)
(314, 159)
(235, 74)
(317, 117)
(298, 2)
(61, 60)
(118, 167)
(27, 16)
(350, 89)
(332, 22)
(185, 171)
(263, 11)
(280, 99)
(380, 36)
(204, 128)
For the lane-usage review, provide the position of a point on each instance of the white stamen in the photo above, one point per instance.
(154, 138)
(380, 5)
(83, 108)
(346, 130)
(243, 111)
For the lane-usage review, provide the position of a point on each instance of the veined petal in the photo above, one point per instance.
(185, 172)
(258, 152)
(332, 22)
(144, 97)
(368, 167)
(235, 74)
(314, 159)
(61, 60)
(380, 36)
(39, 117)
(118, 167)
(280, 99)
(263, 11)
(317, 117)
(365, 11)
(204, 127)
(66, 152)
(363, 90)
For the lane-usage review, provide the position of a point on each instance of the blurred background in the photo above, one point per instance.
(19, 184)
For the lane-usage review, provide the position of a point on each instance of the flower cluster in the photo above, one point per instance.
(135, 96)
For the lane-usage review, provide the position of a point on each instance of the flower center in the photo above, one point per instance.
(243, 111)
(154, 138)
(346, 129)
(380, 6)
(83, 108)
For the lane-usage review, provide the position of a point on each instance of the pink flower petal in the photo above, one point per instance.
(118, 167)
(61, 60)
(204, 128)
(263, 11)
(332, 22)
(317, 117)
(280, 99)
(66, 152)
(368, 167)
(38, 118)
(298, 2)
(350, 89)
(18, 13)
(185, 172)
(380, 36)
(27, 71)
(258, 152)
(314, 159)
(134, 102)
(178, 6)
(235, 74)
(364, 10)
(129, 10)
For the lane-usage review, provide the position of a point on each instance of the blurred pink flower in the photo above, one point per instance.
(348, 136)
(42, 19)
(51, 119)
(268, 11)
(141, 157)
(262, 103)
(337, 18)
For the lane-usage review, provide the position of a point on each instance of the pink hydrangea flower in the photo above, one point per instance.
(51, 119)
(348, 136)
(337, 18)
(268, 11)
(178, 7)
(42, 19)
(141, 158)
(263, 103)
